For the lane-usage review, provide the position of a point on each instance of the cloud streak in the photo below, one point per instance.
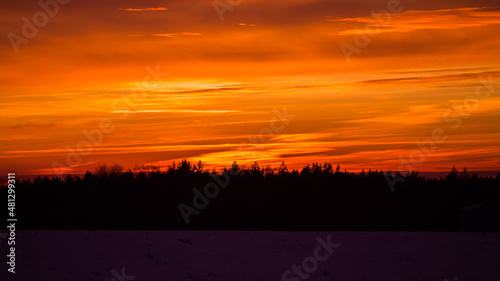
(177, 35)
(409, 21)
(143, 9)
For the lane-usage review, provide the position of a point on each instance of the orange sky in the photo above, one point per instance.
(431, 68)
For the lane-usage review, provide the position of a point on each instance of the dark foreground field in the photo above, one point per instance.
(259, 256)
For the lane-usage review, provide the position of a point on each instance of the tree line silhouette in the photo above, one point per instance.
(319, 197)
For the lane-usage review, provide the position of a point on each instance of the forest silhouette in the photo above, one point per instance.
(186, 196)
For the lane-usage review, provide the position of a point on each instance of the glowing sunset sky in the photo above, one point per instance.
(433, 67)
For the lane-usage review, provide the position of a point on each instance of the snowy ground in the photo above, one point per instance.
(216, 255)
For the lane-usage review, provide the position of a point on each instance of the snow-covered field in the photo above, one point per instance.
(237, 255)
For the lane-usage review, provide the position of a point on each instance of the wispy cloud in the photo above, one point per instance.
(143, 9)
(416, 20)
(50, 171)
(475, 69)
(177, 35)
(438, 78)
(175, 111)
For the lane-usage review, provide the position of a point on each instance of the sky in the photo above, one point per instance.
(409, 85)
